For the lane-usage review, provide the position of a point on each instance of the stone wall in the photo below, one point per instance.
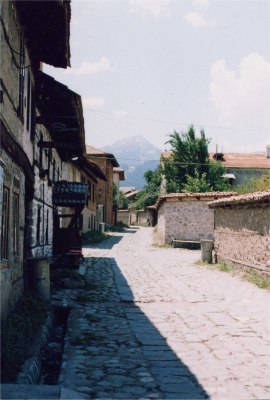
(161, 223)
(190, 220)
(123, 216)
(242, 236)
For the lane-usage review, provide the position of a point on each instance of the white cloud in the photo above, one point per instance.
(93, 102)
(242, 100)
(88, 68)
(119, 114)
(201, 3)
(154, 8)
(197, 20)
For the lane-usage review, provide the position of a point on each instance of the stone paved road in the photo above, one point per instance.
(153, 325)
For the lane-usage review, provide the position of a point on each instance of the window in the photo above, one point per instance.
(38, 224)
(93, 193)
(33, 114)
(47, 228)
(74, 175)
(49, 155)
(4, 225)
(92, 222)
(41, 152)
(21, 77)
(53, 177)
(16, 229)
(28, 99)
(89, 191)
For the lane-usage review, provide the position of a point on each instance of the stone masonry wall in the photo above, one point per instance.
(242, 236)
(190, 220)
(123, 216)
(161, 223)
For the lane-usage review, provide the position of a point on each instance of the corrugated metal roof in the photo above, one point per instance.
(242, 199)
(70, 194)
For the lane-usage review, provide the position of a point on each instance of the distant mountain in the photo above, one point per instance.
(135, 155)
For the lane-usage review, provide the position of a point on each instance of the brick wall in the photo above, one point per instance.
(242, 236)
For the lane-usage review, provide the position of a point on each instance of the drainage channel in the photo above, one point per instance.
(44, 366)
(52, 354)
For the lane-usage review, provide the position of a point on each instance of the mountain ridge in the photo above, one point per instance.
(135, 155)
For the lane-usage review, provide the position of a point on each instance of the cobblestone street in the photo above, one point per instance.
(154, 325)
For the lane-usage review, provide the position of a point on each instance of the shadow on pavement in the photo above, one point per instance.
(171, 378)
(105, 244)
(110, 241)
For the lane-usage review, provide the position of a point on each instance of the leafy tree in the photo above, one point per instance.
(123, 201)
(215, 178)
(119, 199)
(255, 185)
(189, 167)
(196, 183)
(150, 192)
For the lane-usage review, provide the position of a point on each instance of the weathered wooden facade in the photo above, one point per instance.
(35, 144)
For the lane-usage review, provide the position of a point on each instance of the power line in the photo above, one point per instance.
(202, 126)
(168, 160)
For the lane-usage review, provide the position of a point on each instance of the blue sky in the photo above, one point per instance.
(149, 67)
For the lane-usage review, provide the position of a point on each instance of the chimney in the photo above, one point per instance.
(268, 151)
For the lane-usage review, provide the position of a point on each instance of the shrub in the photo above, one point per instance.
(93, 237)
(119, 227)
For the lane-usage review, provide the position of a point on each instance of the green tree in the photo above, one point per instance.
(123, 201)
(119, 199)
(150, 192)
(196, 183)
(189, 167)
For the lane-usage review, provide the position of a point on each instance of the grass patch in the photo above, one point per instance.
(254, 276)
(259, 280)
(94, 237)
(19, 331)
(225, 267)
(162, 246)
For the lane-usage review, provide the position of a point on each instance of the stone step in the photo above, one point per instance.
(27, 392)
(186, 244)
(11, 391)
